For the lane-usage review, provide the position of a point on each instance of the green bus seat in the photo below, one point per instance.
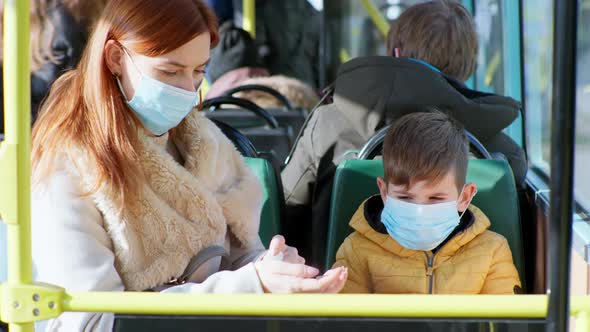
(270, 219)
(355, 181)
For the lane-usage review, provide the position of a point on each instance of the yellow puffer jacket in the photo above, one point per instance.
(474, 261)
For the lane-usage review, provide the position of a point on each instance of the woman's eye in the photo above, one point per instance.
(168, 73)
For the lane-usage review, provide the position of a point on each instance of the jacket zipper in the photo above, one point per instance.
(430, 266)
(430, 272)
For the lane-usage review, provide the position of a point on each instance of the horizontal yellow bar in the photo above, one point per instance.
(459, 306)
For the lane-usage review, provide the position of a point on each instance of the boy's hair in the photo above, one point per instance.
(425, 146)
(441, 33)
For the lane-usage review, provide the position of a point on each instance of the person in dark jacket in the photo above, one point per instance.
(437, 47)
(224, 9)
(288, 33)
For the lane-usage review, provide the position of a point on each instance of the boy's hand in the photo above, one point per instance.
(333, 280)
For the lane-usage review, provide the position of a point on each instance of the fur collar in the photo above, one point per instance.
(181, 209)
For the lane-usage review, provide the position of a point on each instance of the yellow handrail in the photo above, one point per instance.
(15, 169)
(380, 21)
(465, 306)
(249, 16)
(314, 305)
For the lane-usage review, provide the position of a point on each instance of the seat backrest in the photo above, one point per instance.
(239, 118)
(355, 181)
(277, 141)
(270, 219)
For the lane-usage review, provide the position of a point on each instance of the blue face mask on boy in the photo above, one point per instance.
(420, 227)
(159, 106)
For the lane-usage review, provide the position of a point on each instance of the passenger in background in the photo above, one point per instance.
(421, 235)
(224, 9)
(288, 33)
(59, 30)
(437, 47)
(234, 62)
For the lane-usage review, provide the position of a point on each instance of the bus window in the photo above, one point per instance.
(351, 31)
(537, 31)
(489, 75)
(498, 66)
(581, 177)
(538, 56)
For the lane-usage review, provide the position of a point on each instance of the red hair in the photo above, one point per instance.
(84, 108)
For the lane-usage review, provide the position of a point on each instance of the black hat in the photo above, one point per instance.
(236, 49)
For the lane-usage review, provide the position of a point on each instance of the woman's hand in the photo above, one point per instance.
(279, 246)
(292, 276)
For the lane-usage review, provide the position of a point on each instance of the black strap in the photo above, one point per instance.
(192, 266)
(198, 260)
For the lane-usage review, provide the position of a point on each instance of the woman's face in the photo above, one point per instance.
(183, 68)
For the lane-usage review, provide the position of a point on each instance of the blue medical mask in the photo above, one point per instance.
(159, 106)
(420, 227)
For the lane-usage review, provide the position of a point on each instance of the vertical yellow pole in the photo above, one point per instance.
(583, 322)
(376, 16)
(17, 109)
(249, 10)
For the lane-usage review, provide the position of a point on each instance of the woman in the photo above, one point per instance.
(132, 190)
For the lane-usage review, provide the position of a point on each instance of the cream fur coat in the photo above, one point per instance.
(181, 209)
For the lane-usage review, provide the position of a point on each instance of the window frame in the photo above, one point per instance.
(538, 177)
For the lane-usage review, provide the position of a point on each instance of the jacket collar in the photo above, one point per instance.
(367, 221)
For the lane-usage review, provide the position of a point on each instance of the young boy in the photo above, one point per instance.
(421, 235)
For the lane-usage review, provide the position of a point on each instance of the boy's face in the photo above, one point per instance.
(429, 192)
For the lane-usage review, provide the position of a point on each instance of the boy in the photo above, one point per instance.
(421, 235)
